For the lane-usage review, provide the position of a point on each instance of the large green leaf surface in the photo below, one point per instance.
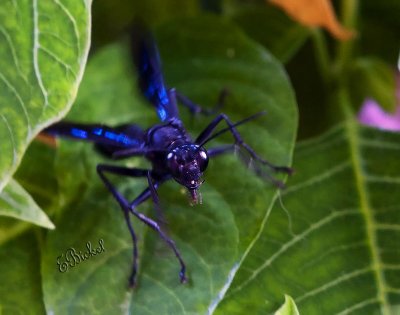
(43, 48)
(20, 289)
(332, 243)
(200, 57)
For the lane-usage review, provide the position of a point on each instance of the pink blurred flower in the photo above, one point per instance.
(371, 114)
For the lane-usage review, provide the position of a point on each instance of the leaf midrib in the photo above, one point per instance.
(365, 206)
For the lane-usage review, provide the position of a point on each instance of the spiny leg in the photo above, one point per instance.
(156, 200)
(229, 148)
(129, 152)
(213, 152)
(156, 227)
(146, 194)
(195, 108)
(101, 168)
(132, 277)
(220, 150)
(133, 172)
(208, 134)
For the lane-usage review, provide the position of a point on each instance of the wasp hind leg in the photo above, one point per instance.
(131, 208)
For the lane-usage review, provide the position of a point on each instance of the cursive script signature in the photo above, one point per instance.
(72, 257)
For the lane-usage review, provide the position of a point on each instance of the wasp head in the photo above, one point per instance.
(186, 163)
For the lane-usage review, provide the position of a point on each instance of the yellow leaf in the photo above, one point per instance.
(314, 13)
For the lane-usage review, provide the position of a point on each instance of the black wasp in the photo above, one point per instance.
(167, 145)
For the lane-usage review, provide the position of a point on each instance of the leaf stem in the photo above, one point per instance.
(349, 13)
(322, 54)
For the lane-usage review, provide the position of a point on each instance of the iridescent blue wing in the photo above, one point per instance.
(150, 78)
(122, 137)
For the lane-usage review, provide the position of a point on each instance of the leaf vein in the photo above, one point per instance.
(36, 46)
(365, 206)
(333, 250)
(320, 177)
(71, 18)
(380, 144)
(382, 179)
(358, 306)
(11, 138)
(168, 290)
(57, 59)
(387, 226)
(21, 102)
(13, 52)
(334, 283)
(296, 239)
(56, 36)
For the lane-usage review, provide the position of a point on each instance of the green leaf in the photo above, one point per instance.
(43, 48)
(373, 78)
(15, 202)
(274, 29)
(200, 57)
(332, 243)
(20, 289)
(288, 308)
